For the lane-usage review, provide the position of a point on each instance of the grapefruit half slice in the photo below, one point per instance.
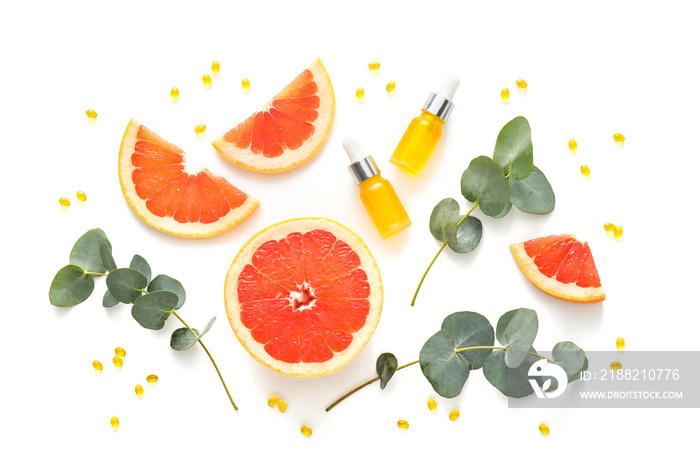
(166, 196)
(304, 296)
(561, 266)
(290, 128)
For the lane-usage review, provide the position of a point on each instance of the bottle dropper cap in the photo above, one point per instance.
(362, 166)
(440, 103)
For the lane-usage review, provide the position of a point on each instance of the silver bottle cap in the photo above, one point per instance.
(440, 103)
(363, 167)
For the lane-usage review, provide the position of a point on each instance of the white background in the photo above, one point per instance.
(593, 69)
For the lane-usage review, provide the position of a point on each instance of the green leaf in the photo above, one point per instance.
(516, 330)
(445, 213)
(513, 149)
(140, 264)
(182, 339)
(467, 330)
(108, 300)
(70, 286)
(86, 251)
(483, 182)
(106, 256)
(166, 283)
(153, 309)
(465, 237)
(577, 375)
(126, 285)
(512, 382)
(569, 357)
(207, 327)
(505, 211)
(386, 367)
(533, 195)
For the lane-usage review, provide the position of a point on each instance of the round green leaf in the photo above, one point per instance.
(513, 149)
(445, 213)
(140, 264)
(70, 286)
(166, 283)
(445, 369)
(106, 256)
(465, 237)
(108, 300)
(512, 382)
(516, 330)
(182, 339)
(126, 285)
(386, 367)
(483, 182)
(153, 309)
(468, 330)
(86, 251)
(577, 375)
(505, 211)
(533, 195)
(569, 356)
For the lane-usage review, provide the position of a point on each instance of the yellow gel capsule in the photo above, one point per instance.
(585, 170)
(97, 365)
(374, 66)
(572, 144)
(245, 83)
(174, 93)
(454, 414)
(390, 86)
(115, 422)
(618, 232)
(505, 93)
(199, 129)
(206, 79)
(119, 362)
(306, 430)
(432, 405)
(119, 351)
(215, 67)
(81, 196)
(521, 83)
(91, 113)
(616, 366)
(609, 227)
(618, 137)
(282, 405)
(360, 93)
(403, 424)
(620, 343)
(544, 429)
(139, 390)
(272, 401)
(152, 378)
(64, 202)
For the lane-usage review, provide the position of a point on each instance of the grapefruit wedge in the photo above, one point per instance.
(290, 128)
(156, 184)
(304, 296)
(561, 266)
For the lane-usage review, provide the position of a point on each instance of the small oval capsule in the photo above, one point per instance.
(97, 365)
(432, 405)
(119, 362)
(81, 196)
(403, 424)
(615, 365)
(618, 137)
(152, 378)
(521, 83)
(618, 231)
(215, 67)
(119, 351)
(454, 415)
(620, 343)
(91, 113)
(282, 406)
(609, 227)
(139, 390)
(585, 170)
(206, 79)
(573, 145)
(544, 429)
(199, 129)
(114, 422)
(390, 86)
(374, 66)
(505, 93)
(272, 401)
(245, 83)
(174, 93)
(306, 430)
(64, 201)
(360, 93)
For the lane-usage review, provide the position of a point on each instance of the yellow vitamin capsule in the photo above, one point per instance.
(174, 93)
(585, 170)
(152, 378)
(403, 424)
(618, 137)
(374, 66)
(215, 67)
(573, 145)
(206, 79)
(81, 196)
(521, 83)
(272, 401)
(282, 405)
(618, 232)
(139, 390)
(505, 93)
(454, 414)
(64, 202)
(432, 405)
(119, 362)
(199, 129)
(97, 365)
(390, 86)
(609, 227)
(119, 351)
(620, 343)
(360, 93)
(306, 430)
(91, 113)
(245, 83)
(115, 422)
(544, 429)
(615, 365)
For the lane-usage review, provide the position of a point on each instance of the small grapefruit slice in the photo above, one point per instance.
(289, 129)
(163, 194)
(304, 296)
(561, 266)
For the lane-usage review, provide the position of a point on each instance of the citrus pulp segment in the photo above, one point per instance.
(304, 296)
(561, 266)
(156, 184)
(290, 128)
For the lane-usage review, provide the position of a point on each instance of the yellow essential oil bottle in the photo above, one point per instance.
(377, 194)
(424, 131)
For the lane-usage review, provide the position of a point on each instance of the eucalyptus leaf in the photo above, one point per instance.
(106, 256)
(569, 357)
(386, 367)
(513, 149)
(86, 251)
(505, 210)
(445, 369)
(516, 330)
(465, 237)
(533, 195)
(126, 285)
(183, 339)
(108, 300)
(577, 375)
(483, 182)
(166, 283)
(207, 327)
(445, 213)
(512, 382)
(140, 264)
(467, 330)
(70, 286)
(153, 309)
